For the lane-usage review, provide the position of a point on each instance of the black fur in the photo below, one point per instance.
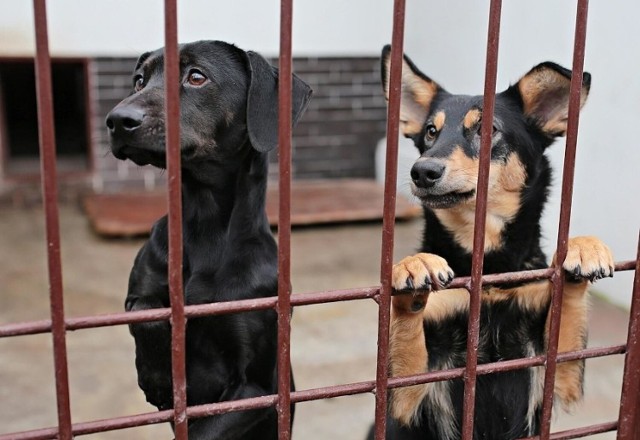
(228, 124)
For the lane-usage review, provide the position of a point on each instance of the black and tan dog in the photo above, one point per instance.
(228, 123)
(514, 318)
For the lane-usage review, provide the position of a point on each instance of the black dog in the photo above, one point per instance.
(228, 123)
(514, 318)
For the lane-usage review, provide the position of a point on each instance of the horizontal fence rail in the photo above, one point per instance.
(628, 424)
(247, 305)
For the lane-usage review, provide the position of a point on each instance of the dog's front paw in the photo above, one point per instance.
(588, 258)
(419, 272)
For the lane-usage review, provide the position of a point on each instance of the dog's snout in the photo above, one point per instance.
(124, 119)
(426, 173)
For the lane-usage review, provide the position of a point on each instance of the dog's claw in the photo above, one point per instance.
(577, 271)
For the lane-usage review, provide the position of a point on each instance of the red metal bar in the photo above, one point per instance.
(284, 222)
(172, 121)
(307, 395)
(501, 366)
(300, 299)
(388, 219)
(580, 432)
(629, 418)
(565, 214)
(477, 262)
(48, 172)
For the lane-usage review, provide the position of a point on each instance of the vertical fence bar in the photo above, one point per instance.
(565, 214)
(629, 419)
(388, 220)
(477, 262)
(172, 121)
(284, 222)
(46, 133)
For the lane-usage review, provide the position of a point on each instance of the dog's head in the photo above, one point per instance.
(228, 99)
(445, 128)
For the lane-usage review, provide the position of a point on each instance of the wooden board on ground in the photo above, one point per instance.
(312, 202)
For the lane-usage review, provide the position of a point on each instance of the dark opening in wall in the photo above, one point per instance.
(19, 116)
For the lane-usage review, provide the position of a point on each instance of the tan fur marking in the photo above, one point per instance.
(532, 84)
(410, 128)
(532, 89)
(407, 355)
(503, 201)
(407, 350)
(438, 120)
(446, 303)
(471, 118)
(416, 96)
(573, 336)
(586, 255)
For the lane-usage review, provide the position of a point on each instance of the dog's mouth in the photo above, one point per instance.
(139, 156)
(443, 201)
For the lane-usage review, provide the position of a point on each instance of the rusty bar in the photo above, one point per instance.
(501, 366)
(47, 140)
(284, 221)
(580, 432)
(307, 395)
(629, 418)
(388, 219)
(300, 299)
(174, 187)
(565, 215)
(475, 290)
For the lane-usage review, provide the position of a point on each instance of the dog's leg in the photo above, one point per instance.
(148, 290)
(233, 425)
(407, 349)
(588, 259)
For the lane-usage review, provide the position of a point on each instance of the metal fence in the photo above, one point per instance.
(628, 423)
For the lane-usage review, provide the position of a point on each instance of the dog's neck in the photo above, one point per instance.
(511, 244)
(229, 199)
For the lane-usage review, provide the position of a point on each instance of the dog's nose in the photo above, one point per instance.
(426, 173)
(124, 119)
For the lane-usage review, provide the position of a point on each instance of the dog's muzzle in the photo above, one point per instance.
(123, 122)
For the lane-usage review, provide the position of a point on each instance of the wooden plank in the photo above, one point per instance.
(313, 202)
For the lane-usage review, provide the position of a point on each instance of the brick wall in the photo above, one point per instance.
(335, 138)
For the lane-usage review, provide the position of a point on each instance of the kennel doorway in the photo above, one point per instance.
(19, 121)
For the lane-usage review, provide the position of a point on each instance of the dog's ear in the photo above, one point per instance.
(417, 93)
(544, 92)
(262, 102)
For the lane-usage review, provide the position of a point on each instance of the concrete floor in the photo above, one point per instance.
(331, 343)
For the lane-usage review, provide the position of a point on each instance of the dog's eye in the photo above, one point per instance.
(138, 83)
(196, 78)
(431, 132)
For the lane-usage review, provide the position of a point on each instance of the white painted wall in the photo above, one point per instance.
(130, 27)
(446, 39)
